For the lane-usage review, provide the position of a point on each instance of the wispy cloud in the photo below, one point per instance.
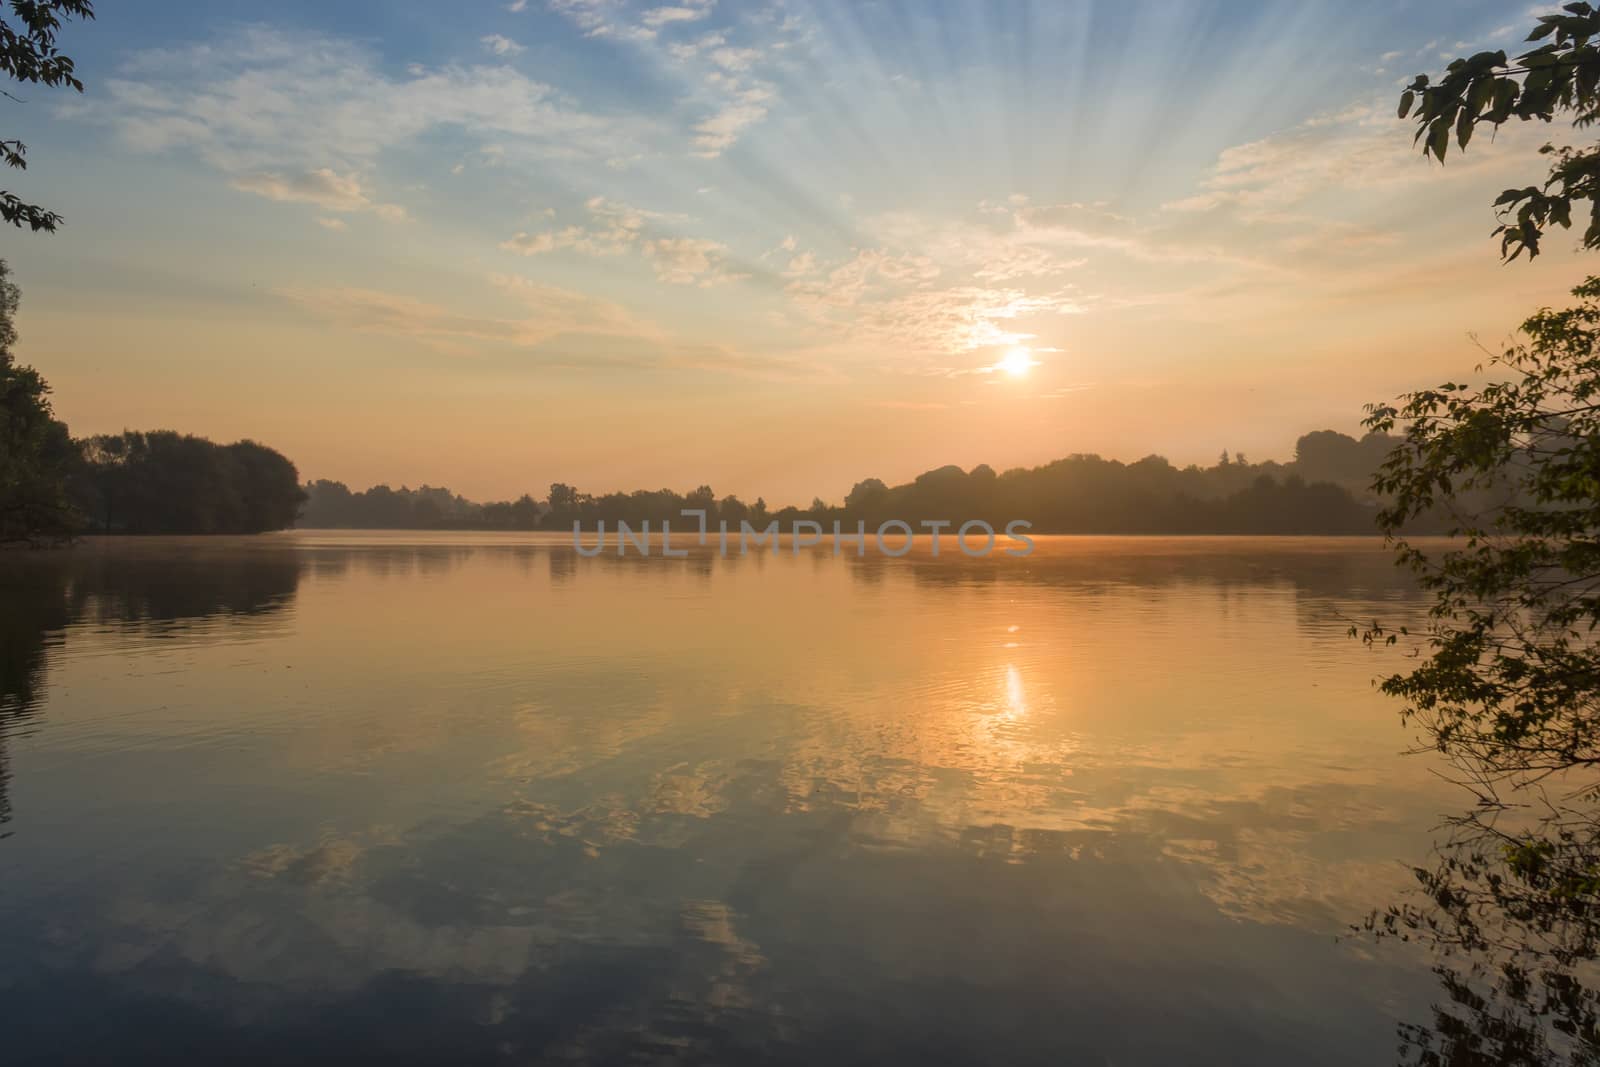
(690, 261)
(657, 17)
(323, 187)
(547, 327)
(547, 312)
(724, 71)
(501, 45)
(615, 228)
(878, 298)
(278, 112)
(1361, 147)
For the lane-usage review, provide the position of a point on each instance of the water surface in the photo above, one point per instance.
(475, 799)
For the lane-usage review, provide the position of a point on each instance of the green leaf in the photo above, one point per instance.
(1505, 98)
(1439, 137)
(1481, 94)
(1406, 100)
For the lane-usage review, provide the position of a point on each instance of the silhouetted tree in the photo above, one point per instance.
(268, 488)
(733, 511)
(36, 452)
(164, 482)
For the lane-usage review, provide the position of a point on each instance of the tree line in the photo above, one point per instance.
(1322, 491)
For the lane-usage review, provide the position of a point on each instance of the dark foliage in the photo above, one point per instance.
(36, 452)
(169, 483)
(29, 56)
(1506, 687)
(1560, 76)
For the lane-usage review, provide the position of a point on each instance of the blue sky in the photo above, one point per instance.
(776, 246)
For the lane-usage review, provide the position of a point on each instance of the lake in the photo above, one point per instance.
(413, 798)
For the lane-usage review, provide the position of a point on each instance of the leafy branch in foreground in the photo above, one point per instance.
(1561, 76)
(1507, 690)
(28, 55)
(1512, 682)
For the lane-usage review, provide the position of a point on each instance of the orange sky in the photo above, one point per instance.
(775, 250)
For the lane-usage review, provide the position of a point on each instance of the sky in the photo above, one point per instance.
(776, 247)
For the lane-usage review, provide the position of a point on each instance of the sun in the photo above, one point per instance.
(1016, 363)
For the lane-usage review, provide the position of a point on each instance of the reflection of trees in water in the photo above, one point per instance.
(1509, 909)
(35, 608)
(1358, 569)
(48, 592)
(106, 588)
(1335, 570)
(388, 561)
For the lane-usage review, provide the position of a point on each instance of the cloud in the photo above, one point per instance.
(690, 261)
(801, 265)
(721, 70)
(267, 107)
(657, 17)
(516, 7)
(725, 70)
(587, 15)
(573, 312)
(718, 54)
(596, 18)
(547, 312)
(549, 321)
(323, 187)
(964, 318)
(939, 286)
(883, 298)
(263, 99)
(1330, 155)
(1000, 249)
(716, 134)
(501, 45)
(331, 224)
(615, 228)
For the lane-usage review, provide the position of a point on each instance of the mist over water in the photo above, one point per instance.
(472, 797)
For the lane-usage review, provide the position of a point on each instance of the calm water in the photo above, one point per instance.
(338, 798)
